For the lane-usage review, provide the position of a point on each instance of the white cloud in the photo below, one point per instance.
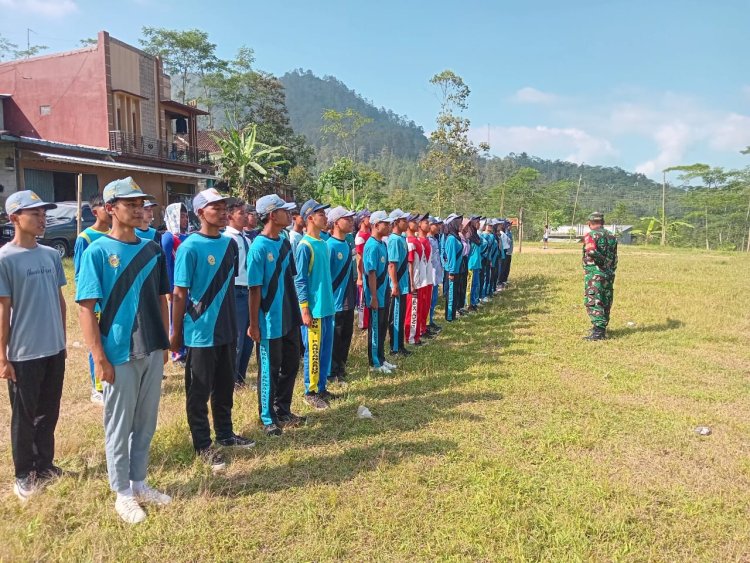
(46, 8)
(679, 124)
(731, 134)
(672, 140)
(570, 143)
(529, 95)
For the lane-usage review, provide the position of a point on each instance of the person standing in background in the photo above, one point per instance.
(237, 217)
(177, 220)
(398, 271)
(362, 224)
(146, 231)
(375, 262)
(343, 276)
(101, 227)
(437, 268)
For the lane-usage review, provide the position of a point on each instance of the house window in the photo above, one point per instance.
(45, 110)
(128, 114)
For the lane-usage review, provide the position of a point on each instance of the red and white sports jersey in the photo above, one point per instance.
(360, 240)
(427, 258)
(417, 255)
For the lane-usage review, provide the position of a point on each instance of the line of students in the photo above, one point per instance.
(209, 297)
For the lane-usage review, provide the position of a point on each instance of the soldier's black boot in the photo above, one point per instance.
(597, 333)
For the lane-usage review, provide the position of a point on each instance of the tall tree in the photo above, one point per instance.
(343, 126)
(246, 96)
(184, 53)
(451, 160)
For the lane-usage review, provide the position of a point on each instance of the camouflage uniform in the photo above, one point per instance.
(599, 265)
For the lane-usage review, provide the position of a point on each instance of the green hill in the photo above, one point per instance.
(307, 96)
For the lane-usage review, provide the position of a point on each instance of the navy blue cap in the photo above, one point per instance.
(311, 206)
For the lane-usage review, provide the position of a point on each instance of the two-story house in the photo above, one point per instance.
(103, 111)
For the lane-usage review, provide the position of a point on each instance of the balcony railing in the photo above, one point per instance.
(147, 147)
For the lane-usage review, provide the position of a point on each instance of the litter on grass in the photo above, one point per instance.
(363, 412)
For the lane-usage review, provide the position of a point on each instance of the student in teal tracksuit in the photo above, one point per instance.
(376, 291)
(344, 285)
(474, 264)
(398, 271)
(315, 295)
(452, 258)
(274, 316)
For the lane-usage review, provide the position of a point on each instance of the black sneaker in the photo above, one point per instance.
(428, 334)
(272, 430)
(328, 396)
(50, 474)
(420, 343)
(291, 420)
(316, 401)
(402, 352)
(337, 379)
(436, 327)
(213, 458)
(236, 442)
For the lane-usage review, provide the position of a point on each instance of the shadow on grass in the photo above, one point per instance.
(670, 324)
(431, 391)
(314, 469)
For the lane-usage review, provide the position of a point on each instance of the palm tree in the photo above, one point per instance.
(245, 162)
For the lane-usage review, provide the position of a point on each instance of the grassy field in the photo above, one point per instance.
(509, 438)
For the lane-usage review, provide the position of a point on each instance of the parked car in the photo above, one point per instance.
(60, 232)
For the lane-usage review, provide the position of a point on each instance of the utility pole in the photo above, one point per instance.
(664, 208)
(707, 245)
(575, 205)
(520, 231)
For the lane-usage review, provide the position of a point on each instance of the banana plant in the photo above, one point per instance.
(245, 162)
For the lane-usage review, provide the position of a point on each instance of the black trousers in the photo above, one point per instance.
(342, 341)
(376, 334)
(35, 406)
(209, 374)
(278, 364)
(396, 316)
(505, 269)
(461, 285)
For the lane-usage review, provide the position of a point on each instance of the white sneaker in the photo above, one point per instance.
(129, 509)
(25, 488)
(389, 365)
(97, 397)
(381, 369)
(148, 495)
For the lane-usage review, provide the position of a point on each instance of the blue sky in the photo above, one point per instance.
(633, 83)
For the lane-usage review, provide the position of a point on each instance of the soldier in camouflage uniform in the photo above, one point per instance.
(599, 265)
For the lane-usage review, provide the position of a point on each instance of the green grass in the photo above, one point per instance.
(509, 438)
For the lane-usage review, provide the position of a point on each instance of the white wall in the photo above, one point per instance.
(7, 177)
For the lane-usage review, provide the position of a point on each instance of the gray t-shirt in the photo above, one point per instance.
(32, 278)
